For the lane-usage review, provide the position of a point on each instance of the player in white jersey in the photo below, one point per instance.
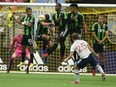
(86, 57)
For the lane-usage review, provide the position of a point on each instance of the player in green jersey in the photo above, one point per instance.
(27, 40)
(99, 32)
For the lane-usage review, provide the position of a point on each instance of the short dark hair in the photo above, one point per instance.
(28, 8)
(74, 5)
(74, 36)
(59, 4)
(47, 16)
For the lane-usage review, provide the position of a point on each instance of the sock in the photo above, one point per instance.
(98, 67)
(31, 55)
(11, 61)
(29, 61)
(76, 71)
(23, 56)
(43, 51)
(45, 60)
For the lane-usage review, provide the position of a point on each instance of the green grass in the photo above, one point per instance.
(53, 80)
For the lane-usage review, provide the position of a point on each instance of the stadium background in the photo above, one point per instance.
(10, 30)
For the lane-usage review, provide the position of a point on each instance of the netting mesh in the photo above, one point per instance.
(8, 29)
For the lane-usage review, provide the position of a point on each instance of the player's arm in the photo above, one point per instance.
(30, 23)
(45, 24)
(91, 49)
(18, 20)
(72, 49)
(69, 57)
(94, 35)
(106, 35)
(13, 43)
(93, 32)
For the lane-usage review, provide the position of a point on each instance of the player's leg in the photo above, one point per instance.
(63, 35)
(24, 44)
(102, 60)
(44, 47)
(23, 56)
(45, 39)
(30, 48)
(29, 60)
(93, 62)
(96, 49)
(76, 74)
(44, 51)
(93, 71)
(49, 46)
(80, 64)
(51, 49)
(102, 57)
(31, 56)
(11, 62)
(99, 68)
(62, 49)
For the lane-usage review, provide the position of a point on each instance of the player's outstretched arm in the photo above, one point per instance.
(69, 57)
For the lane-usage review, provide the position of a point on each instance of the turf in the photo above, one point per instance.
(53, 80)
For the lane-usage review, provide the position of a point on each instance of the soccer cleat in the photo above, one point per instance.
(103, 77)
(75, 82)
(21, 63)
(31, 65)
(45, 55)
(93, 72)
(8, 70)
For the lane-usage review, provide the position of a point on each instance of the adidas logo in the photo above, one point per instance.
(2, 66)
(69, 67)
(38, 64)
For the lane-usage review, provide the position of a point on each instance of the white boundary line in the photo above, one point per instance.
(55, 73)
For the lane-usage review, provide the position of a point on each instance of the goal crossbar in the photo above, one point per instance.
(53, 4)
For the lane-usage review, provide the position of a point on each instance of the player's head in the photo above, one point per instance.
(74, 36)
(47, 17)
(100, 19)
(73, 7)
(29, 11)
(58, 7)
(20, 31)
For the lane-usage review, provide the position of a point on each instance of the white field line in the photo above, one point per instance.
(55, 73)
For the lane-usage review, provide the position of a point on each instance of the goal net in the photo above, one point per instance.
(9, 28)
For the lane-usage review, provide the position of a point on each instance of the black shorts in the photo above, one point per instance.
(90, 60)
(27, 40)
(39, 37)
(98, 48)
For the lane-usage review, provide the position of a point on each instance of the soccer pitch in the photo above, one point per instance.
(53, 80)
